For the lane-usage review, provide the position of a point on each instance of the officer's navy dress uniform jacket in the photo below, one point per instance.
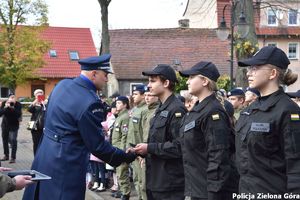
(164, 168)
(72, 130)
(208, 151)
(268, 146)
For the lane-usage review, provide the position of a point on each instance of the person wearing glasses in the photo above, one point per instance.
(268, 131)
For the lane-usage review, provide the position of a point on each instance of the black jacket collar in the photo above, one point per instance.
(200, 105)
(268, 103)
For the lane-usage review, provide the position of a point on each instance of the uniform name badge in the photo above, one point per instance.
(135, 120)
(260, 127)
(189, 126)
(164, 113)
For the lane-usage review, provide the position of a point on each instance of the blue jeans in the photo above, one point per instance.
(96, 168)
(11, 137)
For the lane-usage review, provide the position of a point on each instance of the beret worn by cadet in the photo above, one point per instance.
(253, 90)
(294, 94)
(140, 88)
(267, 55)
(124, 99)
(236, 92)
(96, 63)
(207, 69)
(164, 70)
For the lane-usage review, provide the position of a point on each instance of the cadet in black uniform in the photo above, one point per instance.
(208, 147)
(268, 131)
(164, 168)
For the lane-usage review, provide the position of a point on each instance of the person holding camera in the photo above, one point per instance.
(37, 109)
(11, 110)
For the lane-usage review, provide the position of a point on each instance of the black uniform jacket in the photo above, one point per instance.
(208, 150)
(268, 146)
(164, 168)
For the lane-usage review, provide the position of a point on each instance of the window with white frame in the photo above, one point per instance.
(52, 53)
(293, 51)
(293, 17)
(274, 44)
(272, 18)
(74, 55)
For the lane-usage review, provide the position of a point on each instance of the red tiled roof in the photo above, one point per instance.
(136, 50)
(278, 31)
(63, 40)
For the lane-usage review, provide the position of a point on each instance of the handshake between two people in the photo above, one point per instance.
(139, 149)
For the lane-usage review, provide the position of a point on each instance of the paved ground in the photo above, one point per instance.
(25, 157)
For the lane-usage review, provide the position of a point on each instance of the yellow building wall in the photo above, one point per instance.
(282, 43)
(25, 90)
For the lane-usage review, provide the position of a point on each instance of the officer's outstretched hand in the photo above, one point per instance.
(141, 149)
(130, 157)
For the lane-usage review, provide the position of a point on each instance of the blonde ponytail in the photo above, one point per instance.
(288, 77)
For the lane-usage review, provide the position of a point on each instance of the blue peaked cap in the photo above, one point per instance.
(96, 63)
(140, 88)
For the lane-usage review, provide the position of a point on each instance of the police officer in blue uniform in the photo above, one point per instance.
(72, 130)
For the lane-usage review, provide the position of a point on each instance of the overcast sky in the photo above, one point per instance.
(123, 14)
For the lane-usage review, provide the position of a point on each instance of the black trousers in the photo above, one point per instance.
(11, 137)
(168, 195)
(36, 137)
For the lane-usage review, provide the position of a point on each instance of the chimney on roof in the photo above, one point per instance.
(184, 23)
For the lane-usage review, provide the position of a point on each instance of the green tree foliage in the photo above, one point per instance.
(181, 85)
(21, 47)
(224, 82)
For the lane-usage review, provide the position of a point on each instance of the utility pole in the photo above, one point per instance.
(247, 6)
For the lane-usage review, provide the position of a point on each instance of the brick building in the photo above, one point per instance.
(68, 45)
(136, 50)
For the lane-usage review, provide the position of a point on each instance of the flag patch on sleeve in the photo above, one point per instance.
(295, 117)
(178, 115)
(215, 117)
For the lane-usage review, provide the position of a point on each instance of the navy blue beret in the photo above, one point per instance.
(140, 88)
(96, 63)
(236, 92)
(124, 99)
(253, 90)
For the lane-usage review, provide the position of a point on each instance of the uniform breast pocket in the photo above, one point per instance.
(160, 126)
(264, 143)
(193, 136)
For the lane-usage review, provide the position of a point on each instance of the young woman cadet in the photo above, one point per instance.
(207, 147)
(268, 131)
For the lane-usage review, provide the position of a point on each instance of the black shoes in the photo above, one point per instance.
(117, 194)
(5, 158)
(125, 197)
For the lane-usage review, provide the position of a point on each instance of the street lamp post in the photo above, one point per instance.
(223, 32)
